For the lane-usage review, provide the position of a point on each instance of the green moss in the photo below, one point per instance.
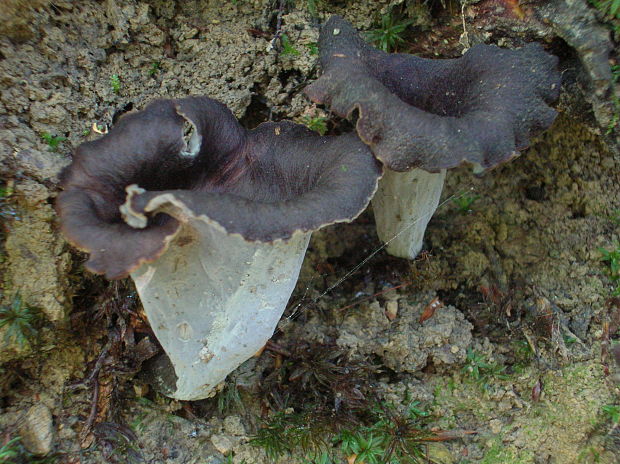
(500, 454)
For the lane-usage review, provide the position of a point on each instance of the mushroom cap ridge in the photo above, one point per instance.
(264, 184)
(434, 114)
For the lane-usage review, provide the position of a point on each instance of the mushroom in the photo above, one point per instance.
(213, 230)
(421, 116)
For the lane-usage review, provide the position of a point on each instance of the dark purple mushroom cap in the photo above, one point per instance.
(264, 184)
(434, 114)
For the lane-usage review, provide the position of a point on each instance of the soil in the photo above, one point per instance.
(518, 348)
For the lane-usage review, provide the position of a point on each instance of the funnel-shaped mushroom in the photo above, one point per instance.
(213, 231)
(418, 113)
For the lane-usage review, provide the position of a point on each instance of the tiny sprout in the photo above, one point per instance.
(313, 7)
(18, 318)
(10, 450)
(615, 118)
(464, 202)
(612, 258)
(367, 448)
(52, 140)
(609, 8)
(155, 67)
(287, 48)
(315, 123)
(612, 411)
(115, 83)
(313, 48)
(7, 190)
(389, 34)
(481, 370)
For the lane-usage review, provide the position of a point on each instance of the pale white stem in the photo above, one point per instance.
(403, 206)
(214, 299)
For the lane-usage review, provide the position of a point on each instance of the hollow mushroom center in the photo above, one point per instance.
(431, 86)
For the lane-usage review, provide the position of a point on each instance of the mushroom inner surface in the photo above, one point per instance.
(263, 168)
(433, 86)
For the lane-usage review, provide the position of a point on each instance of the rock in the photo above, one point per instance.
(391, 309)
(17, 18)
(33, 244)
(222, 443)
(439, 454)
(141, 389)
(31, 193)
(37, 430)
(42, 166)
(495, 426)
(404, 344)
(234, 426)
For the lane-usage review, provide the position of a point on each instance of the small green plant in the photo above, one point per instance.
(10, 451)
(613, 123)
(612, 258)
(155, 68)
(313, 6)
(523, 354)
(615, 72)
(609, 8)
(390, 33)
(19, 320)
(465, 201)
(138, 423)
(482, 371)
(568, 340)
(287, 47)
(313, 48)
(321, 458)
(229, 399)
(315, 123)
(615, 118)
(115, 83)
(612, 411)
(230, 459)
(283, 433)
(53, 141)
(392, 437)
(13, 452)
(367, 448)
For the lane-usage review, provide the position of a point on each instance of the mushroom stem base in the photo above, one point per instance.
(403, 206)
(213, 300)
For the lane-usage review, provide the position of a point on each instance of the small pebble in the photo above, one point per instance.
(222, 443)
(495, 425)
(37, 430)
(391, 309)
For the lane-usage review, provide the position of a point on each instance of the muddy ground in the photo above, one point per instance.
(515, 365)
